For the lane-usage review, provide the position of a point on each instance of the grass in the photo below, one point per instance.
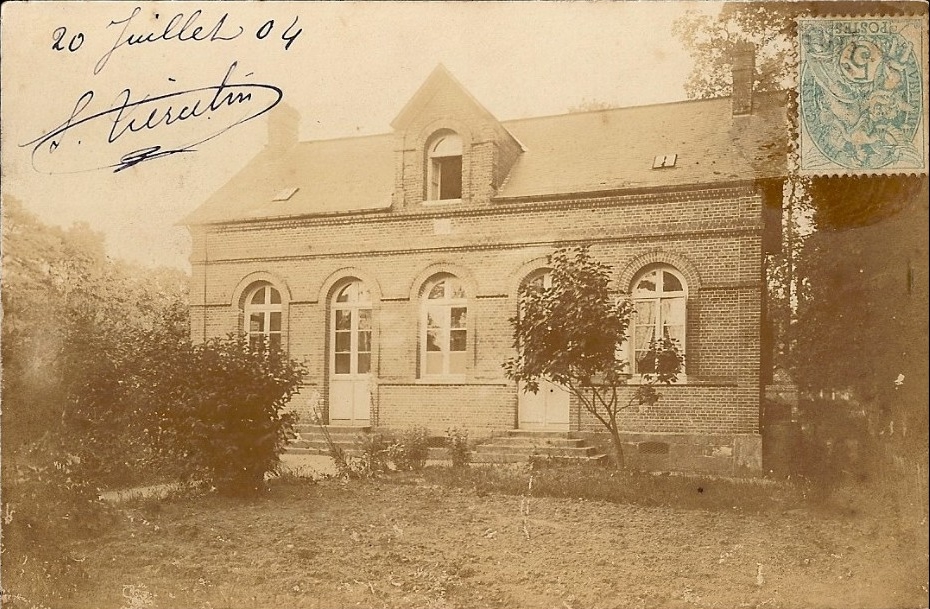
(595, 483)
(581, 537)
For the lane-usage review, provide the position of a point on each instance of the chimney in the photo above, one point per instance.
(283, 126)
(744, 73)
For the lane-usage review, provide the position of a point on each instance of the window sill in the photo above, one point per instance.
(440, 202)
(687, 381)
(448, 379)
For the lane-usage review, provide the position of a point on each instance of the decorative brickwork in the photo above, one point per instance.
(710, 232)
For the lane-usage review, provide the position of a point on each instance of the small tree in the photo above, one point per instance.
(572, 332)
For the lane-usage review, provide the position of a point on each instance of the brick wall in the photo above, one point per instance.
(712, 235)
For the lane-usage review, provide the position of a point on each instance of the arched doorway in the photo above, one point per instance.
(548, 408)
(350, 356)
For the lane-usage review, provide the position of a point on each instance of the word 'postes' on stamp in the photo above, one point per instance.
(862, 96)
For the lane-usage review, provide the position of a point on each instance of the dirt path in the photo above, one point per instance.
(370, 544)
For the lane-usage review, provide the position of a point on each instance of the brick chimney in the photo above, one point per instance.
(283, 126)
(744, 73)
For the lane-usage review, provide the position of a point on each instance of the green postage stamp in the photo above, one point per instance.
(862, 95)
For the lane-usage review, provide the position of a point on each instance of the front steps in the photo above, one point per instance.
(519, 445)
(310, 439)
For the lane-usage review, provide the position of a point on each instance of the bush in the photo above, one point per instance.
(375, 450)
(458, 447)
(229, 418)
(46, 505)
(212, 412)
(410, 450)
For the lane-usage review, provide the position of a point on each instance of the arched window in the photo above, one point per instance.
(444, 327)
(351, 330)
(445, 167)
(659, 300)
(539, 280)
(263, 316)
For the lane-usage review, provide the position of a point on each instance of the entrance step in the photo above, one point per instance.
(520, 445)
(532, 433)
(310, 439)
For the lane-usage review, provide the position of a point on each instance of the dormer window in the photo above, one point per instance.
(445, 167)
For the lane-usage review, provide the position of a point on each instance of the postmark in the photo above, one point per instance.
(862, 96)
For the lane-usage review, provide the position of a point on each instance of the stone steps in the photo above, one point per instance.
(520, 445)
(311, 440)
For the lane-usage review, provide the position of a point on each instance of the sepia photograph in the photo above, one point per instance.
(453, 305)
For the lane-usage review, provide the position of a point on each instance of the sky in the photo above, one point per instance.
(348, 69)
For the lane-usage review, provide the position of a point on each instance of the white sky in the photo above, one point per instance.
(349, 72)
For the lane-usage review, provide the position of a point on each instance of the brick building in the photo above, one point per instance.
(391, 263)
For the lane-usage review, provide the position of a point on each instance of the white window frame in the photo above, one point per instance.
(266, 309)
(358, 299)
(434, 172)
(659, 324)
(441, 308)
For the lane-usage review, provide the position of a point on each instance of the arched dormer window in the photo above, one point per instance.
(660, 297)
(444, 167)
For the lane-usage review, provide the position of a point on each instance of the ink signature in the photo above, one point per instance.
(152, 127)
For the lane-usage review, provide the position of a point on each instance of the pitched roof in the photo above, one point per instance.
(567, 154)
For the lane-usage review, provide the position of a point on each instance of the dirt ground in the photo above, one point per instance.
(404, 543)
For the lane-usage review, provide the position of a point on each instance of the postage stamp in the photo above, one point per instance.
(862, 95)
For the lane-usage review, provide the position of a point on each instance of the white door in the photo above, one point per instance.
(547, 409)
(350, 357)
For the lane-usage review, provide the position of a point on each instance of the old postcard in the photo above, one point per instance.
(444, 304)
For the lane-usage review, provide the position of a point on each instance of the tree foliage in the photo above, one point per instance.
(572, 333)
(99, 370)
(712, 41)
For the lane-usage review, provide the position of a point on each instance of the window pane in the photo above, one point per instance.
(447, 145)
(673, 311)
(364, 363)
(434, 363)
(671, 283)
(275, 340)
(364, 341)
(259, 296)
(434, 180)
(437, 291)
(343, 320)
(275, 296)
(342, 363)
(343, 341)
(433, 320)
(459, 317)
(457, 363)
(457, 290)
(256, 341)
(257, 322)
(645, 311)
(646, 285)
(675, 332)
(457, 340)
(643, 337)
(433, 340)
(343, 295)
(364, 319)
(275, 322)
(363, 294)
